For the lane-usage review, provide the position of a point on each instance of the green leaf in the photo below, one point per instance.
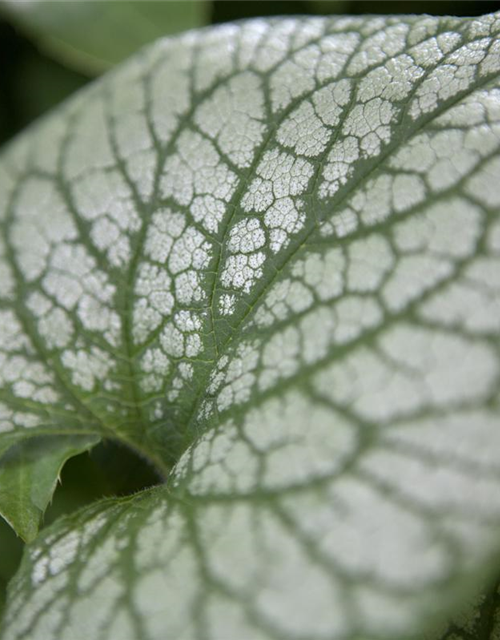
(28, 474)
(265, 256)
(93, 36)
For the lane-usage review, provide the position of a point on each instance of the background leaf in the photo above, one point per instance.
(118, 28)
(27, 478)
(30, 83)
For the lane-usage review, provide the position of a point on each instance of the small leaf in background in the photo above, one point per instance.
(265, 256)
(94, 36)
(28, 474)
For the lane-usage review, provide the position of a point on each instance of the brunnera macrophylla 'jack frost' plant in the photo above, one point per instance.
(266, 256)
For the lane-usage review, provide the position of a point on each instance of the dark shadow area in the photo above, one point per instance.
(110, 469)
(225, 10)
(10, 50)
(11, 548)
(30, 82)
(436, 7)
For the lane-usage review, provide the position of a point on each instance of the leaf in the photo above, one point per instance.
(118, 28)
(27, 478)
(266, 257)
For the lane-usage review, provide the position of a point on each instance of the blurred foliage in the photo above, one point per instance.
(227, 10)
(41, 84)
(94, 36)
(434, 7)
(109, 470)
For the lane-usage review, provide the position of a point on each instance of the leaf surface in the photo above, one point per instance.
(266, 256)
